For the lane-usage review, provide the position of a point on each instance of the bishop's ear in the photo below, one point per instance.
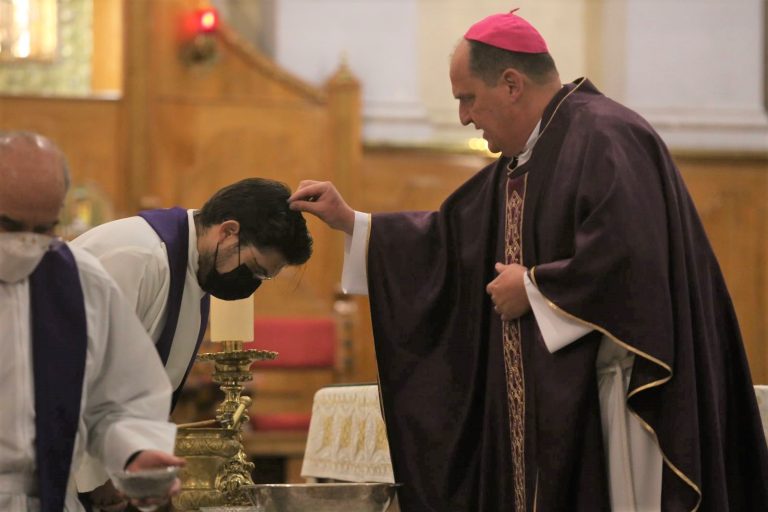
(513, 81)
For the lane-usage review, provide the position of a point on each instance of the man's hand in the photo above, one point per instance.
(320, 198)
(507, 291)
(155, 459)
(107, 499)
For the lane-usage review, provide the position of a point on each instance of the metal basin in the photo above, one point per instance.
(225, 508)
(330, 497)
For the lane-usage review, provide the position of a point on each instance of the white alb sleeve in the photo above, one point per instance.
(354, 276)
(557, 329)
(128, 396)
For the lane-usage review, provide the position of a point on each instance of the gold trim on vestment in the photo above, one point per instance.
(512, 347)
(630, 348)
(557, 107)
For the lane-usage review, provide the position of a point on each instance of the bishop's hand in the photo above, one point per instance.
(320, 198)
(507, 291)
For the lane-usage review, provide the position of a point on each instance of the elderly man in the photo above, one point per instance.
(74, 374)
(558, 337)
(167, 262)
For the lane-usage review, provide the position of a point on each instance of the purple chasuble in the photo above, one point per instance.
(59, 346)
(172, 226)
(481, 422)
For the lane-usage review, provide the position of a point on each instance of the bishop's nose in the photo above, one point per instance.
(464, 117)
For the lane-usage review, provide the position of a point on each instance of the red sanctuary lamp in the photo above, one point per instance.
(207, 20)
(198, 45)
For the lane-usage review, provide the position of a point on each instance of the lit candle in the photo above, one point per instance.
(232, 320)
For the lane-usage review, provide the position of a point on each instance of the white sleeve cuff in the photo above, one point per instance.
(557, 329)
(90, 475)
(128, 436)
(354, 276)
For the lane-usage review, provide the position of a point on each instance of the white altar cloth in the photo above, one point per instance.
(347, 439)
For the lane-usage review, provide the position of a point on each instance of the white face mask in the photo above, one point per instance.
(20, 254)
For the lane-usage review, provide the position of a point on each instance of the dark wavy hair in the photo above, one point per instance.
(260, 206)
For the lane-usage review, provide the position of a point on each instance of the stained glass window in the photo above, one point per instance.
(28, 29)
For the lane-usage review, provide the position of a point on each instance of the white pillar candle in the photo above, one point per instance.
(232, 320)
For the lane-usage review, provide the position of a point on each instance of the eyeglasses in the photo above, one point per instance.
(262, 277)
(259, 272)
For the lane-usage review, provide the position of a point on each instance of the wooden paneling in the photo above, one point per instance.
(199, 147)
(291, 390)
(731, 196)
(413, 179)
(137, 99)
(402, 179)
(202, 147)
(86, 130)
(237, 71)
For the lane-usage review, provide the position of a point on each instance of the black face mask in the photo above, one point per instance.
(233, 285)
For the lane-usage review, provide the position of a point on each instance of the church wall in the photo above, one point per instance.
(443, 22)
(88, 130)
(695, 69)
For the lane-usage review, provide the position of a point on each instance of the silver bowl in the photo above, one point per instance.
(330, 497)
(149, 483)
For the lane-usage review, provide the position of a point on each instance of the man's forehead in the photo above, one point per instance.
(461, 52)
(459, 70)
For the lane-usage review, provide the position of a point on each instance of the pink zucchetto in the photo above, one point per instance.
(508, 32)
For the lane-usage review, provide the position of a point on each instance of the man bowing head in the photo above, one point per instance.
(168, 262)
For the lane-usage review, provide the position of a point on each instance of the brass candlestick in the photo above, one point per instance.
(217, 468)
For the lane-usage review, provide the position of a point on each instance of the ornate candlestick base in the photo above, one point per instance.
(217, 468)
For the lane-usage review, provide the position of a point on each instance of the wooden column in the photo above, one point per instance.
(107, 63)
(344, 101)
(345, 109)
(136, 89)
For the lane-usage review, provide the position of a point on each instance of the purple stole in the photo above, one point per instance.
(172, 226)
(59, 346)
